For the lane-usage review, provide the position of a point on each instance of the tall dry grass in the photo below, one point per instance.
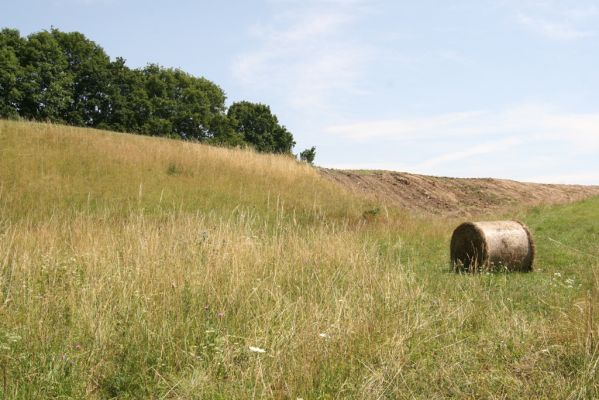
(134, 267)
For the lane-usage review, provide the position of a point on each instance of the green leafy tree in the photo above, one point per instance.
(46, 85)
(87, 64)
(10, 73)
(223, 133)
(187, 102)
(260, 128)
(128, 105)
(308, 155)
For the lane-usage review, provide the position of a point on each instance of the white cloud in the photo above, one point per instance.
(581, 178)
(305, 53)
(408, 128)
(585, 11)
(553, 30)
(556, 19)
(462, 152)
(533, 138)
(477, 150)
(527, 122)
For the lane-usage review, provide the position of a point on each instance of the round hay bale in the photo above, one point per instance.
(492, 246)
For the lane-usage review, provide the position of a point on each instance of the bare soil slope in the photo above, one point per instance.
(455, 196)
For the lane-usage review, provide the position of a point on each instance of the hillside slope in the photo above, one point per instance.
(455, 196)
(44, 167)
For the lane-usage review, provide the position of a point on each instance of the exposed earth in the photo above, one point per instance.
(455, 196)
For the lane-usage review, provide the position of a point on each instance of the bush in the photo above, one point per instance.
(308, 155)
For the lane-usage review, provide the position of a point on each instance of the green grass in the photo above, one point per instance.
(134, 267)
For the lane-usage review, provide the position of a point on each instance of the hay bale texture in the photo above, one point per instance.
(492, 246)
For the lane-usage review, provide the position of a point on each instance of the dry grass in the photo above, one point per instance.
(132, 267)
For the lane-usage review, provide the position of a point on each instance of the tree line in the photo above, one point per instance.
(64, 77)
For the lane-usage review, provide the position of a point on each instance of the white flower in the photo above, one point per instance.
(324, 335)
(257, 349)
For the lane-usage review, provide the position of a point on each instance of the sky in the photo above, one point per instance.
(481, 88)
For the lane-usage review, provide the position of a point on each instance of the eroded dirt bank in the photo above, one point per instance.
(455, 196)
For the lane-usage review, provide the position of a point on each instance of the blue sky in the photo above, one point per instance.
(486, 88)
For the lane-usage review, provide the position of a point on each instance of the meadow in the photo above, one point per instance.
(134, 267)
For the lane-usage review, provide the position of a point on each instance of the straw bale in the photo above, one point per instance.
(492, 245)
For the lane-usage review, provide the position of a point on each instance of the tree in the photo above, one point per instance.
(222, 132)
(10, 73)
(308, 155)
(128, 105)
(260, 128)
(188, 103)
(87, 64)
(46, 85)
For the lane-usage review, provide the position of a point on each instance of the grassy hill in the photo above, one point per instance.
(135, 267)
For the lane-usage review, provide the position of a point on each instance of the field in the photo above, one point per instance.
(136, 267)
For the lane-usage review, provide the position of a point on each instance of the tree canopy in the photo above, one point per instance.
(260, 127)
(66, 78)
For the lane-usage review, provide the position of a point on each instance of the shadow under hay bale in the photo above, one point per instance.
(492, 246)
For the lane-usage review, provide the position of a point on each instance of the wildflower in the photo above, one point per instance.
(324, 335)
(221, 314)
(257, 349)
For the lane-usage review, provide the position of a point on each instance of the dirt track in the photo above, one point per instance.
(455, 196)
